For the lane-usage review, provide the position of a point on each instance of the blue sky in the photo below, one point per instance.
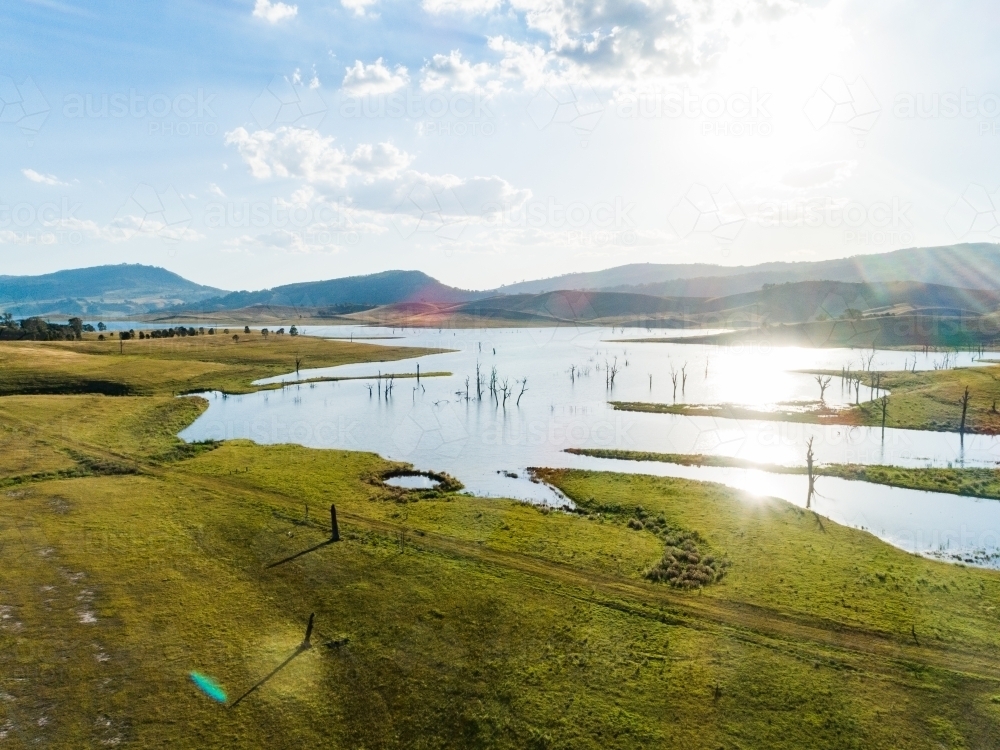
(249, 144)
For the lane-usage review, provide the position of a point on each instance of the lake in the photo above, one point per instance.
(558, 380)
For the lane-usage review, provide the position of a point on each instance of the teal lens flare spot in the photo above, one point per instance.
(209, 687)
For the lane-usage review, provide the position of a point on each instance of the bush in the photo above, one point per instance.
(684, 564)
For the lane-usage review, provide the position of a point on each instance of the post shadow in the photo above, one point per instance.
(302, 647)
(334, 537)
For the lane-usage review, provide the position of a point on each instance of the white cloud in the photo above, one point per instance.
(456, 74)
(43, 179)
(306, 154)
(818, 175)
(626, 42)
(374, 79)
(460, 6)
(274, 12)
(358, 7)
(215, 190)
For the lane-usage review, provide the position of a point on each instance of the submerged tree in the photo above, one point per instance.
(823, 381)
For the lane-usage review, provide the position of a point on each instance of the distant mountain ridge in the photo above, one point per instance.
(385, 288)
(131, 289)
(965, 266)
(788, 303)
(99, 291)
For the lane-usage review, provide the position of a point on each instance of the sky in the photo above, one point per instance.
(250, 143)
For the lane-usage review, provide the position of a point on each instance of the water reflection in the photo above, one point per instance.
(440, 424)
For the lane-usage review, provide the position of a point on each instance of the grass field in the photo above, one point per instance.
(928, 400)
(976, 482)
(174, 365)
(443, 620)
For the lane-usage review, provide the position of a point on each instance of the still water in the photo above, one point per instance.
(558, 380)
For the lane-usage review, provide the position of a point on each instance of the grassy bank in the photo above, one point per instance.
(445, 620)
(978, 482)
(175, 365)
(929, 400)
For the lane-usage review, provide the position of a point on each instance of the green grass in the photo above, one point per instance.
(929, 400)
(451, 621)
(174, 365)
(733, 411)
(970, 482)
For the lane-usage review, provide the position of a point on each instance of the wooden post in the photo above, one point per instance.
(307, 641)
(812, 481)
(965, 408)
(334, 530)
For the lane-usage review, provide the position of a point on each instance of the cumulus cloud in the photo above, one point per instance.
(42, 179)
(454, 73)
(627, 42)
(358, 7)
(274, 12)
(374, 79)
(306, 154)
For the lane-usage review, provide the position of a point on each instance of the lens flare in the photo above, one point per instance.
(209, 686)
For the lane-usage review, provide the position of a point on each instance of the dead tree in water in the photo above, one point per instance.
(506, 391)
(876, 382)
(823, 382)
(673, 379)
(965, 408)
(857, 390)
(479, 382)
(812, 479)
(524, 387)
(885, 406)
(684, 378)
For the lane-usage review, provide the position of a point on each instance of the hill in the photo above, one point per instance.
(808, 301)
(384, 288)
(967, 266)
(100, 291)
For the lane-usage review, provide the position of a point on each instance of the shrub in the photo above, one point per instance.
(684, 564)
